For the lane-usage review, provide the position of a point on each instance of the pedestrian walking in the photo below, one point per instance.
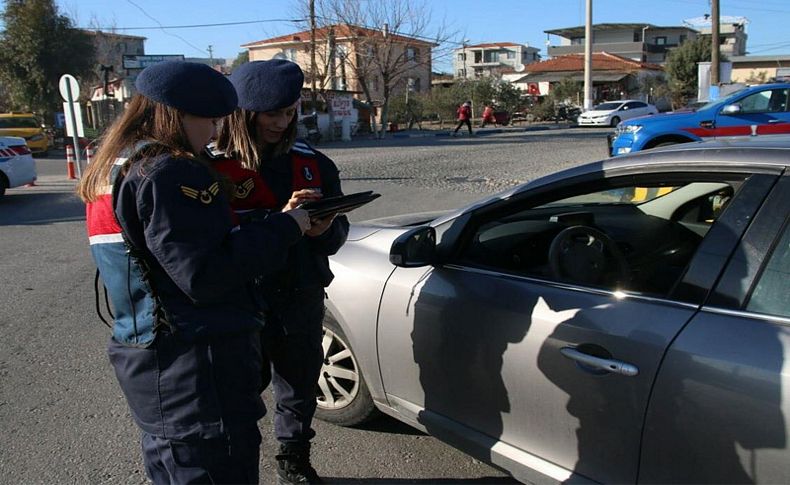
(260, 138)
(185, 342)
(464, 113)
(488, 116)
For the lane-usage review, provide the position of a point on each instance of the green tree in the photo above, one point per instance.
(681, 67)
(242, 58)
(37, 46)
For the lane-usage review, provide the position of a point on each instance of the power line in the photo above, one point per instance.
(196, 26)
(163, 29)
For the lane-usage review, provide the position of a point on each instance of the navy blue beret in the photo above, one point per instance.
(267, 85)
(194, 88)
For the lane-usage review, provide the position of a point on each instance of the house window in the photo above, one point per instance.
(461, 73)
(511, 55)
(478, 57)
(577, 40)
(462, 57)
(290, 54)
(682, 38)
(660, 40)
(413, 84)
(637, 36)
(491, 56)
(412, 54)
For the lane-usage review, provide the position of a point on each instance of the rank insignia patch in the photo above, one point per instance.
(243, 189)
(204, 196)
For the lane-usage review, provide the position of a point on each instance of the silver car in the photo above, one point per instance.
(624, 321)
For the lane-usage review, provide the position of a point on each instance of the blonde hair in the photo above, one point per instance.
(143, 119)
(238, 138)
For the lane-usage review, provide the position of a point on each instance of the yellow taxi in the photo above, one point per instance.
(27, 126)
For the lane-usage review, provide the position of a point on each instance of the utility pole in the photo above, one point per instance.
(211, 54)
(588, 40)
(714, 38)
(313, 93)
(332, 80)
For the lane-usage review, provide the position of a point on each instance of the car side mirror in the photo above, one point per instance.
(731, 109)
(414, 248)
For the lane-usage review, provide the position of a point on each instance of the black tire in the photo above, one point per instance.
(3, 185)
(339, 410)
(615, 121)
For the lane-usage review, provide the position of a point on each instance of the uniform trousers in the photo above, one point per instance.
(197, 403)
(292, 343)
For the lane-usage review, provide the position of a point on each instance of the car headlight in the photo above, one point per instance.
(621, 129)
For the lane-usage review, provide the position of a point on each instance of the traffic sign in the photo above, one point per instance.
(69, 87)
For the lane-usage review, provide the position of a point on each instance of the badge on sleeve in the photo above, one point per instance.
(205, 196)
(243, 189)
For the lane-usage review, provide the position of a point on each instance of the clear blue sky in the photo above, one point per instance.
(521, 21)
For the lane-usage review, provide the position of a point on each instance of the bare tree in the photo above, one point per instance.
(381, 44)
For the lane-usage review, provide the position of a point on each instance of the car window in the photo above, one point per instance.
(770, 294)
(607, 106)
(768, 101)
(18, 123)
(635, 105)
(635, 237)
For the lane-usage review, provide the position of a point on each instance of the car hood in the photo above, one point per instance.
(676, 117)
(596, 113)
(361, 230)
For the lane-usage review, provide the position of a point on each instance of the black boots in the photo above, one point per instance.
(293, 464)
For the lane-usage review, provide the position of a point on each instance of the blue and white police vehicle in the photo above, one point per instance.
(751, 111)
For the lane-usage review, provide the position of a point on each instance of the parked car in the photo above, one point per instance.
(623, 321)
(755, 110)
(611, 113)
(17, 166)
(27, 126)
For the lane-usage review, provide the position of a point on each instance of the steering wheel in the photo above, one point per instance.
(583, 254)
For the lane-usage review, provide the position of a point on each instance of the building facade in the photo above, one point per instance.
(347, 55)
(760, 69)
(637, 41)
(482, 60)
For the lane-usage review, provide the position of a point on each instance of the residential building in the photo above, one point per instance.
(732, 33)
(637, 41)
(758, 69)
(481, 60)
(614, 77)
(111, 47)
(357, 51)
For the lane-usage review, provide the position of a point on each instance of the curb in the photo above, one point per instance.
(495, 131)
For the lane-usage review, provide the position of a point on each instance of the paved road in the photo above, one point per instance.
(62, 416)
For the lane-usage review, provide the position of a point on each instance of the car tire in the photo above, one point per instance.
(343, 396)
(3, 185)
(615, 121)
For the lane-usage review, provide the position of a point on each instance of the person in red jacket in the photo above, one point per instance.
(488, 116)
(464, 117)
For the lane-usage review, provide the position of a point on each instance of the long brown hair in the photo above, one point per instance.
(143, 119)
(238, 137)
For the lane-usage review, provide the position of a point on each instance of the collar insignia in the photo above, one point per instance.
(243, 189)
(308, 175)
(205, 196)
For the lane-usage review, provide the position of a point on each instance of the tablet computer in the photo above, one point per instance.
(340, 204)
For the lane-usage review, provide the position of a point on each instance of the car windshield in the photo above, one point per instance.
(18, 123)
(722, 101)
(626, 195)
(607, 106)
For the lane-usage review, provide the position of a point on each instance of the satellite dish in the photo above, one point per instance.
(280, 55)
(519, 67)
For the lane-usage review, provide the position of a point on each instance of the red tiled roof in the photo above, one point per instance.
(601, 61)
(342, 31)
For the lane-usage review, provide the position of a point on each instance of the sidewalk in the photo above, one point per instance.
(482, 131)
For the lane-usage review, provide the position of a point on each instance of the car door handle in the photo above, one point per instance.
(608, 365)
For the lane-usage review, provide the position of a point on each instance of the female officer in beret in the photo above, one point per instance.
(261, 137)
(185, 344)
